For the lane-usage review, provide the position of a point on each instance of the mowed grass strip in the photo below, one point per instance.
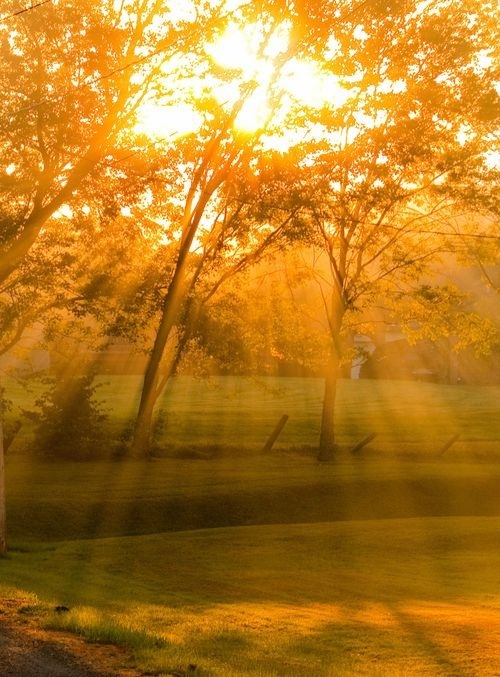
(234, 410)
(61, 501)
(417, 596)
(242, 412)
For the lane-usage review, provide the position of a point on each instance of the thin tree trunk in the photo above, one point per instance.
(180, 287)
(150, 391)
(144, 421)
(176, 296)
(327, 444)
(3, 520)
(156, 382)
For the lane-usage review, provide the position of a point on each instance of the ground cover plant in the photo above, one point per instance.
(243, 563)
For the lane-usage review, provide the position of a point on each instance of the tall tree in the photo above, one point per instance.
(73, 77)
(396, 159)
(208, 219)
(403, 115)
(407, 155)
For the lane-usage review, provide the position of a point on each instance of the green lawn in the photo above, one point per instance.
(233, 410)
(385, 563)
(60, 501)
(417, 596)
(419, 417)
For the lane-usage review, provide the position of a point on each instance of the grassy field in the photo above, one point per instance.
(238, 412)
(60, 501)
(233, 410)
(388, 597)
(385, 563)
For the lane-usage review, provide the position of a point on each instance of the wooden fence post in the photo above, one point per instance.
(363, 443)
(448, 444)
(275, 434)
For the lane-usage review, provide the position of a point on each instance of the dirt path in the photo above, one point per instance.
(26, 650)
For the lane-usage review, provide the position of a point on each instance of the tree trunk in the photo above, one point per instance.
(3, 522)
(327, 445)
(179, 288)
(172, 306)
(144, 421)
(151, 387)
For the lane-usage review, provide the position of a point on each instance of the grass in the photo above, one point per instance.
(60, 501)
(243, 412)
(417, 596)
(259, 565)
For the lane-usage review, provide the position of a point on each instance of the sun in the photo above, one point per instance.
(300, 83)
(246, 56)
(309, 84)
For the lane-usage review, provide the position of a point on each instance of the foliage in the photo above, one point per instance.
(434, 312)
(265, 323)
(141, 229)
(478, 244)
(389, 170)
(72, 78)
(68, 420)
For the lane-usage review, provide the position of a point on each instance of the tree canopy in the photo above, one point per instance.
(152, 151)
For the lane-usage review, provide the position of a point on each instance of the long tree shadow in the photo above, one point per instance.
(422, 638)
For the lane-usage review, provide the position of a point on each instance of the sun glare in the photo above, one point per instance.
(254, 113)
(302, 82)
(307, 84)
(232, 50)
(162, 121)
(247, 55)
(245, 49)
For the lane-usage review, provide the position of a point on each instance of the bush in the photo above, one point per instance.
(69, 423)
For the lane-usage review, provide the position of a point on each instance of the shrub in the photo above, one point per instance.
(69, 422)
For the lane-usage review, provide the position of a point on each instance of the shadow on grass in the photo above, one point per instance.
(320, 599)
(112, 511)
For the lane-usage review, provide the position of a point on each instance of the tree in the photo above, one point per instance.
(376, 168)
(392, 190)
(223, 248)
(396, 159)
(210, 221)
(73, 78)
